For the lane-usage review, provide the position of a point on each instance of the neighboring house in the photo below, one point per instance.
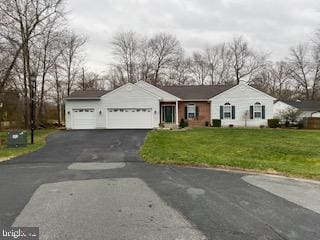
(306, 108)
(144, 106)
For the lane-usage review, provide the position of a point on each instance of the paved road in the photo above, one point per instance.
(93, 185)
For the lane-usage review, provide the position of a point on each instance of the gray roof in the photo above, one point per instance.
(88, 94)
(305, 105)
(196, 92)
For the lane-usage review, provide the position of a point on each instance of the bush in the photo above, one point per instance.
(273, 123)
(216, 123)
(300, 125)
(183, 123)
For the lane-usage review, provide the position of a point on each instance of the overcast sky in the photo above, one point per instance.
(270, 25)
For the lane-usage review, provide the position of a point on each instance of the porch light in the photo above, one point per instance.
(68, 112)
(155, 112)
(100, 112)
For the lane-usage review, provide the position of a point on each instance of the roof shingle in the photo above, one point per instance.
(305, 105)
(88, 94)
(196, 92)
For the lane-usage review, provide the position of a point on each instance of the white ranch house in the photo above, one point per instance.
(144, 106)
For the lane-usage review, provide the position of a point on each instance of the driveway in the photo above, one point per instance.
(93, 185)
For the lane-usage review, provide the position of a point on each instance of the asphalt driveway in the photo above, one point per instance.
(93, 185)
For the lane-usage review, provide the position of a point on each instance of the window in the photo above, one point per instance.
(191, 111)
(227, 111)
(257, 110)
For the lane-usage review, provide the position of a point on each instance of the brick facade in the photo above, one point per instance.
(204, 113)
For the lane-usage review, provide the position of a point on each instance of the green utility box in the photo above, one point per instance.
(17, 139)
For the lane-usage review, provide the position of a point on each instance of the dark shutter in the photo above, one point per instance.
(197, 111)
(233, 112)
(221, 112)
(251, 112)
(185, 112)
(263, 112)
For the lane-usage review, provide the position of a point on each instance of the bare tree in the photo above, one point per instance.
(165, 48)
(199, 68)
(145, 67)
(179, 72)
(90, 80)
(245, 61)
(71, 57)
(275, 79)
(218, 59)
(126, 46)
(58, 89)
(49, 52)
(305, 69)
(25, 17)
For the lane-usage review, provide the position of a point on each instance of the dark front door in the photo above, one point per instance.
(168, 114)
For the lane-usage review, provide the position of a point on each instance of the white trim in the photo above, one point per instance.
(224, 107)
(255, 105)
(195, 110)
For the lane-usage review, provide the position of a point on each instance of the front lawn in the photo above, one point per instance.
(39, 139)
(289, 152)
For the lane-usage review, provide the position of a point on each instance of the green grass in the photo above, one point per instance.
(39, 139)
(289, 152)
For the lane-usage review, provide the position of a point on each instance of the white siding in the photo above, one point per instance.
(242, 97)
(163, 95)
(130, 96)
(80, 104)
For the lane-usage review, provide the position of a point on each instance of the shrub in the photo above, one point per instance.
(273, 123)
(183, 123)
(216, 123)
(300, 125)
(261, 126)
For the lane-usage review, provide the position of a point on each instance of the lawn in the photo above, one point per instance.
(39, 139)
(288, 152)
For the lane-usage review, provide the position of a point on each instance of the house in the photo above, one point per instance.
(306, 108)
(144, 106)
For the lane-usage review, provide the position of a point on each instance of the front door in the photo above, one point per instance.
(168, 114)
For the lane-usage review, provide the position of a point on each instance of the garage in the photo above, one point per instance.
(129, 118)
(84, 118)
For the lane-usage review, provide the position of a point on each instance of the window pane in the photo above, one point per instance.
(227, 115)
(257, 114)
(227, 111)
(190, 115)
(191, 110)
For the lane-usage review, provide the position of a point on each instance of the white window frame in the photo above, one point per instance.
(191, 109)
(227, 109)
(257, 108)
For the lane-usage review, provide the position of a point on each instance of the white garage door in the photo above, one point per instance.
(84, 119)
(127, 118)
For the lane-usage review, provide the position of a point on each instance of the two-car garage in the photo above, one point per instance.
(116, 118)
(128, 107)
